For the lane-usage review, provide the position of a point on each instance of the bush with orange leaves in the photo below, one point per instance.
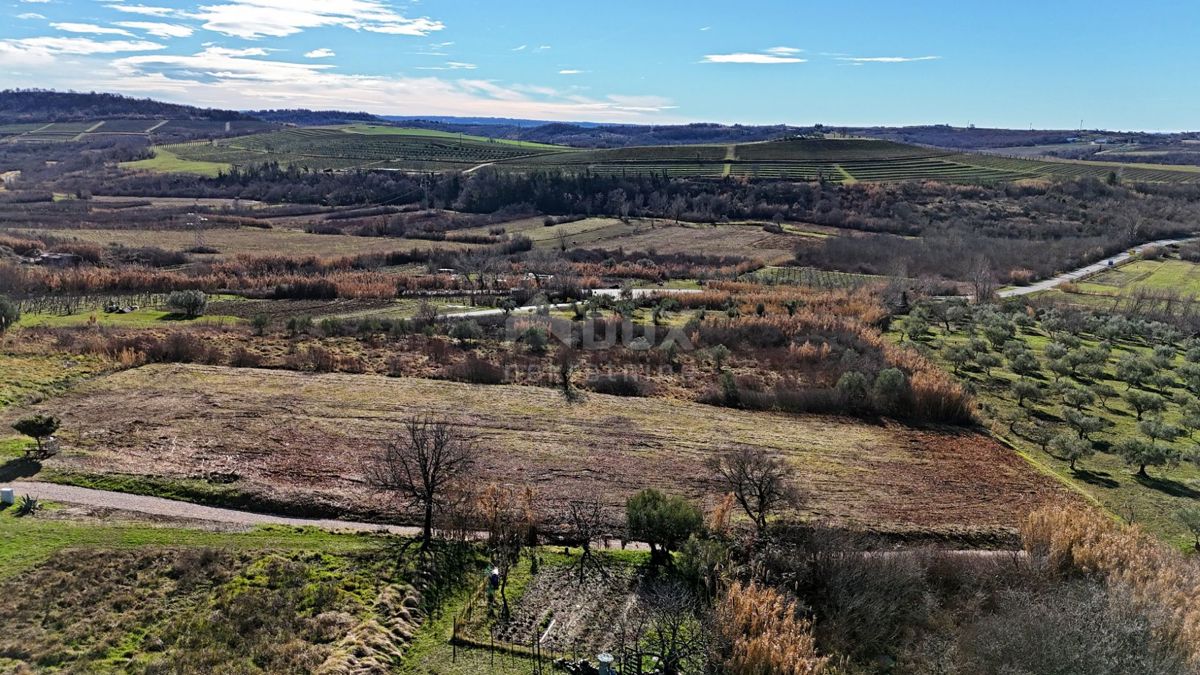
(1159, 580)
(762, 635)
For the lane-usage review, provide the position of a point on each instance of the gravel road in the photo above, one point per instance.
(1047, 284)
(157, 506)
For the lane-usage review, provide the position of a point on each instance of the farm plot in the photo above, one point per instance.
(302, 439)
(347, 147)
(747, 241)
(233, 241)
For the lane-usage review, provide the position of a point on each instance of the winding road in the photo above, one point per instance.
(1076, 275)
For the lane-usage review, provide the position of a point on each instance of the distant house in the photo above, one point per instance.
(54, 260)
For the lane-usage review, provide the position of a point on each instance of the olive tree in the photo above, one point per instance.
(39, 428)
(662, 521)
(190, 303)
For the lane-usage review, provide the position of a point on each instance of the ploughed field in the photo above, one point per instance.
(302, 439)
(837, 160)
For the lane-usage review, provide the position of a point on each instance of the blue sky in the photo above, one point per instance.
(1050, 63)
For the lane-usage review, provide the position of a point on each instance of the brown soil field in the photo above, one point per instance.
(302, 438)
(747, 241)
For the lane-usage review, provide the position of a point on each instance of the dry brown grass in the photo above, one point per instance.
(1160, 580)
(303, 437)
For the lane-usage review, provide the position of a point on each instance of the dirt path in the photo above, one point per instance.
(157, 506)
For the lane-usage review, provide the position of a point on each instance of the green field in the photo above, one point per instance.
(837, 160)
(165, 160)
(359, 146)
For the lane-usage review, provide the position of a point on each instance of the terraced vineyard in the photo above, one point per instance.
(836, 160)
(40, 132)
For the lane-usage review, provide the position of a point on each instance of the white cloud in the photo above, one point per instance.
(750, 57)
(520, 49)
(706, 28)
(542, 48)
(35, 2)
(89, 28)
(30, 15)
(450, 65)
(570, 71)
(157, 29)
(37, 48)
(144, 10)
(232, 78)
(252, 19)
(887, 59)
(322, 53)
(783, 51)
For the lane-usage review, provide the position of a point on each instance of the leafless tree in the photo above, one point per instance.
(674, 634)
(507, 517)
(760, 483)
(422, 467)
(983, 279)
(585, 523)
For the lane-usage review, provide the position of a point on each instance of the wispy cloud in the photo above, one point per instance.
(520, 48)
(30, 15)
(234, 78)
(706, 28)
(322, 53)
(886, 59)
(751, 57)
(571, 71)
(253, 19)
(35, 2)
(450, 65)
(783, 51)
(144, 10)
(88, 28)
(158, 29)
(37, 48)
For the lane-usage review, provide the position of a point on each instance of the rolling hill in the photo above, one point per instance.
(832, 159)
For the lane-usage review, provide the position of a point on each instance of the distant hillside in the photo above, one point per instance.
(316, 118)
(36, 105)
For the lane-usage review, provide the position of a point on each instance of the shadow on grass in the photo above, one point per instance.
(176, 316)
(1097, 478)
(19, 468)
(1167, 486)
(1043, 415)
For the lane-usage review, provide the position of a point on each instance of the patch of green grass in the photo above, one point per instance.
(36, 376)
(166, 161)
(29, 540)
(146, 317)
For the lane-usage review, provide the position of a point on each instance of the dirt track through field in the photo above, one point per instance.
(170, 508)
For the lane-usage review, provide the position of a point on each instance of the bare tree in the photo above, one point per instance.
(759, 482)
(507, 517)
(983, 279)
(674, 634)
(585, 523)
(422, 466)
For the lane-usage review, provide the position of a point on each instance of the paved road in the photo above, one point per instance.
(1047, 284)
(157, 506)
